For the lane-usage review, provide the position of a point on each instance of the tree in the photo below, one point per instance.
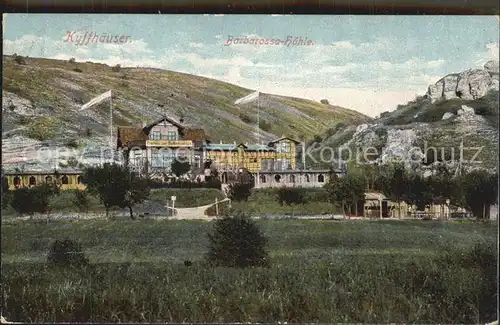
(346, 191)
(5, 191)
(72, 60)
(419, 191)
(116, 185)
(239, 191)
(81, 201)
(116, 68)
(32, 200)
(237, 242)
(180, 168)
(480, 192)
(394, 183)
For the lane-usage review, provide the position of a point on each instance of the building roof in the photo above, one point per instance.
(259, 147)
(220, 146)
(148, 127)
(284, 138)
(47, 171)
(374, 196)
(300, 171)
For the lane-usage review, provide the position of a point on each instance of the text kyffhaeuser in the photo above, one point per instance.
(80, 38)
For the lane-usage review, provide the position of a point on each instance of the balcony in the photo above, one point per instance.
(170, 143)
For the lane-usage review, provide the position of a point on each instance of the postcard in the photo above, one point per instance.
(249, 168)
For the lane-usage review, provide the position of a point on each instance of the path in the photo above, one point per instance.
(196, 212)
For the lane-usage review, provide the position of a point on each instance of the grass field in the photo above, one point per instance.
(321, 271)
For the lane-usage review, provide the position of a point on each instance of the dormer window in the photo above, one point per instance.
(156, 135)
(172, 135)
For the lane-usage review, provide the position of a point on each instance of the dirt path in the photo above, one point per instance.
(194, 213)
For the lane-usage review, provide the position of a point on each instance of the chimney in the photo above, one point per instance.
(181, 120)
(220, 142)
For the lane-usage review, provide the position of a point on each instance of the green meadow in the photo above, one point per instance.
(321, 271)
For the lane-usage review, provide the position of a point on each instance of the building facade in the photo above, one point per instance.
(66, 179)
(155, 146)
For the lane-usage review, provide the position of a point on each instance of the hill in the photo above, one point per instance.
(460, 108)
(42, 98)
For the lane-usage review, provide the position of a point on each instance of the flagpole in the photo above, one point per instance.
(111, 120)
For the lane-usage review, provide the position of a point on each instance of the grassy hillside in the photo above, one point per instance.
(58, 88)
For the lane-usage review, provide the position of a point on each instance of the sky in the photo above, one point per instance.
(367, 63)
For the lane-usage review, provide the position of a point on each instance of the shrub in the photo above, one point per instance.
(116, 68)
(72, 60)
(73, 143)
(237, 242)
(43, 128)
(246, 118)
(77, 70)
(325, 101)
(239, 191)
(67, 253)
(265, 126)
(82, 201)
(317, 139)
(290, 195)
(19, 59)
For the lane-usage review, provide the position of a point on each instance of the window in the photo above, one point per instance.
(48, 179)
(292, 178)
(32, 181)
(287, 164)
(79, 180)
(321, 178)
(307, 178)
(136, 157)
(262, 178)
(156, 135)
(277, 178)
(156, 160)
(283, 147)
(17, 181)
(172, 135)
(65, 180)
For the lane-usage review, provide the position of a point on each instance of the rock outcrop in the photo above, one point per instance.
(468, 85)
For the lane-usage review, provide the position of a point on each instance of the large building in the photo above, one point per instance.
(155, 146)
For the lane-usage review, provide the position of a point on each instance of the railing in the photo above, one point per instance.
(169, 143)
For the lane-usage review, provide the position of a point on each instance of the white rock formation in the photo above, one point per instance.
(468, 85)
(466, 110)
(447, 115)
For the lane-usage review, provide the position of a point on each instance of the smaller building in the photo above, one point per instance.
(66, 178)
(293, 178)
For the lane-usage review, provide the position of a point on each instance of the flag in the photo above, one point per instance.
(97, 100)
(247, 99)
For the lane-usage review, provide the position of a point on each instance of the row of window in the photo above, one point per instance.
(48, 179)
(291, 178)
(170, 136)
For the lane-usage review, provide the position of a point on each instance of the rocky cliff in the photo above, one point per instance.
(468, 85)
(455, 123)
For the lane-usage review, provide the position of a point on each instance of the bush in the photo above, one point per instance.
(116, 68)
(246, 118)
(82, 201)
(290, 195)
(72, 60)
(325, 101)
(239, 191)
(77, 70)
(237, 242)
(19, 59)
(265, 126)
(73, 143)
(67, 253)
